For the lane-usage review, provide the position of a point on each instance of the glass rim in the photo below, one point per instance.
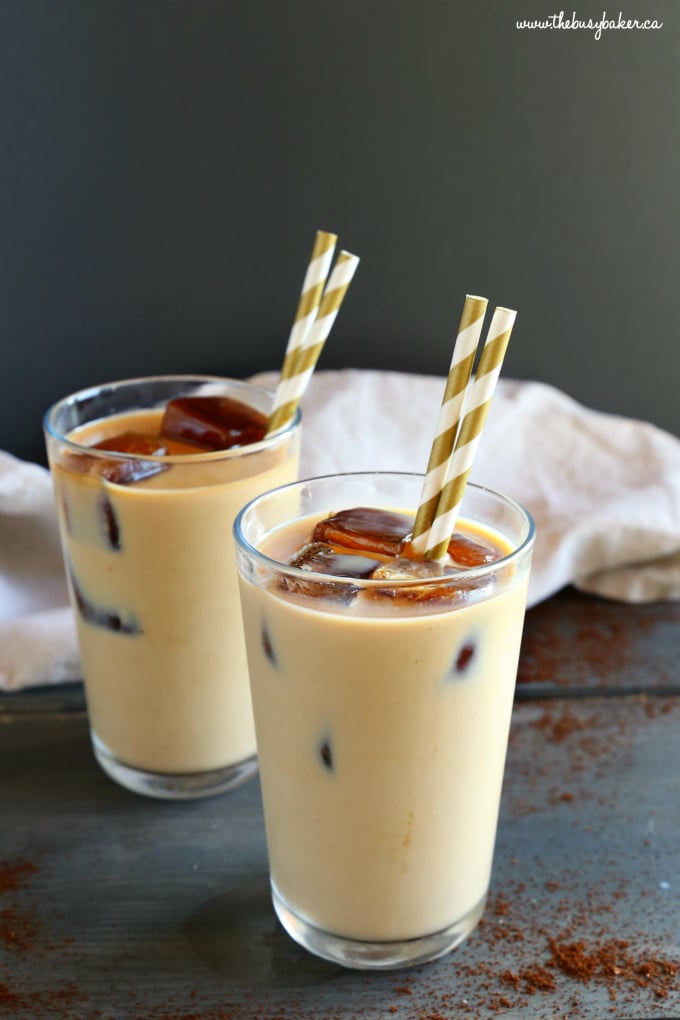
(474, 573)
(90, 392)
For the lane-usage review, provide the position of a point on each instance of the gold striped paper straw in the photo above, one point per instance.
(310, 298)
(460, 370)
(290, 390)
(481, 392)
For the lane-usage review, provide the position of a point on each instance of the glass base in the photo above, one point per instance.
(180, 786)
(361, 955)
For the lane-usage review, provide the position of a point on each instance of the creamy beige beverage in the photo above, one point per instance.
(399, 731)
(382, 718)
(151, 568)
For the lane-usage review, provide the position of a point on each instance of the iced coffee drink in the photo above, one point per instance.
(149, 475)
(382, 692)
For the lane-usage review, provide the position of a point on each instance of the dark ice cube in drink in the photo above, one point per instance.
(133, 442)
(403, 569)
(323, 559)
(453, 586)
(125, 472)
(365, 528)
(103, 616)
(466, 552)
(151, 446)
(319, 558)
(141, 444)
(214, 422)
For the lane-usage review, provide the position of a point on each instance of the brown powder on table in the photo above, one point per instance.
(553, 634)
(19, 932)
(531, 979)
(13, 874)
(55, 1003)
(558, 727)
(612, 964)
(583, 951)
(21, 935)
(602, 649)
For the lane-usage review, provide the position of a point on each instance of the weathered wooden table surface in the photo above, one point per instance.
(114, 906)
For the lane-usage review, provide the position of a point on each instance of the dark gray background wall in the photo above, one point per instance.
(165, 164)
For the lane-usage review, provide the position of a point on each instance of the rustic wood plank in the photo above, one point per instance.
(57, 698)
(143, 910)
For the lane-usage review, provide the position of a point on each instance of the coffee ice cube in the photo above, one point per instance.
(453, 586)
(125, 472)
(268, 646)
(118, 470)
(214, 422)
(326, 754)
(110, 523)
(151, 446)
(366, 528)
(466, 552)
(133, 442)
(103, 616)
(323, 559)
(403, 569)
(464, 657)
(319, 558)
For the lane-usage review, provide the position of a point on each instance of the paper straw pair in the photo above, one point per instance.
(462, 416)
(317, 310)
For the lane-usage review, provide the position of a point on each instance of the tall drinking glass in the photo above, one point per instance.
(150, 564)
(382, 710)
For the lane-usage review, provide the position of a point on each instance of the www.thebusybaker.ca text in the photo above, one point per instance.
(590, 24)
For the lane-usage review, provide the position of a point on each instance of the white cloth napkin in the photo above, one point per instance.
(37, 632)
(604, 492)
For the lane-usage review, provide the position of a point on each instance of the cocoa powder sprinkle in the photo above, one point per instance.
(13, 874)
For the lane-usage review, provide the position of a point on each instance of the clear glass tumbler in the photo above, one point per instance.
(151, 570)
(382, 711)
